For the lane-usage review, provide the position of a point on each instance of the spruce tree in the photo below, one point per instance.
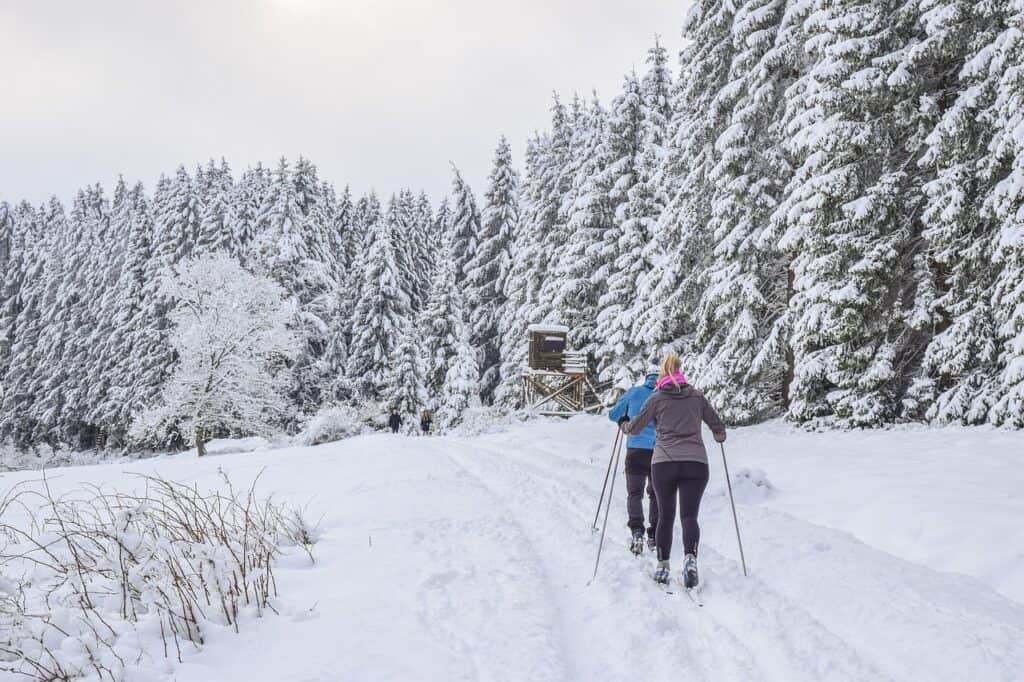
(523, 284)
(488, 270)
(464, 225)
(439, 323)
(625, 240)
(954, 269)
(403, 386)
(847, 219)
(739, 352)
(1006, 204)
(215, 229)
(581, 267)
(22, 323)
(451, 370)
(668, 294)
(381, 316)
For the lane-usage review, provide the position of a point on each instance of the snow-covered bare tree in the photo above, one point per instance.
(232, 337)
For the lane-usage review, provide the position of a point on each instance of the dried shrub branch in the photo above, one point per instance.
(93, 582)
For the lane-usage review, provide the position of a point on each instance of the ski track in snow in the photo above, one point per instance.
(468, 559)
(763, 636)
(894, 614)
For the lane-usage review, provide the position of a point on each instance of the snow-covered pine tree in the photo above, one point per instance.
(231, 333)
(349, 239)
(488, 270)
(80, 310)
(11, 274)
(1006, 204)
(47, 382)
(179, 213)
(133, 381)
(404, 390)
(954, 270)
(366, 214)
(739, 353)
(646, 201)
(215, 229)
(450, 368)
(21, 322)
(425, 243)
(581, 269)
(849, 215)
(244, 211)
(624, 242)
(668, 294)
(439, 322)
(292, 248)
(108, 342)
(523, 283)
(544, 208)
(382, 314)
(464, 224)
(400, 222)
(442, 225)
(461, 389)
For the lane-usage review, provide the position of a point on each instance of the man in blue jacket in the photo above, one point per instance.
(639, 450)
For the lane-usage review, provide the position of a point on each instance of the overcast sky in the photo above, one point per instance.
(378, 93)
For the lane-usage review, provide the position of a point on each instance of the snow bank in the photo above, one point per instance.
(330, 424)
(748, 485)
(45, 457)
(477, 421)
(231, 446)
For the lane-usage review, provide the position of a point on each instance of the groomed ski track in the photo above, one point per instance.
(458, 558)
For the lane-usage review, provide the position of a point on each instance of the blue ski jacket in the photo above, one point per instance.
(629, 405)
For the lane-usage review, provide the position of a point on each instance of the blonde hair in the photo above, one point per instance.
(670, 366)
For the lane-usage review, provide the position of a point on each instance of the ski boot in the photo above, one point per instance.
(651, 544)
(636, 546)
(662, 573)
(690, 579)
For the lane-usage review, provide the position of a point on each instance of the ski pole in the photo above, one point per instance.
(607, 507)
(604, 486)
(735, 520)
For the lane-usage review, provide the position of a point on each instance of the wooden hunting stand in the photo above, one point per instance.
(556, 382)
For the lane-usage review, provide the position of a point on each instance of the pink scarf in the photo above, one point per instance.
(678, 379)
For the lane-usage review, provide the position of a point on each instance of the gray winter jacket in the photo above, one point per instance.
(677, 413)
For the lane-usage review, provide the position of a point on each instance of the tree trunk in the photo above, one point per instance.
(200, 441)
(787, 377)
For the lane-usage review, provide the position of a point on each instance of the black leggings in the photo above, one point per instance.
(688, 480)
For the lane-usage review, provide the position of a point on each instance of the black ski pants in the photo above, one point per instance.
(687, 480)
(638, 475)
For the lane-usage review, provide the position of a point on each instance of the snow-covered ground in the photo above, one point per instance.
(886, 555)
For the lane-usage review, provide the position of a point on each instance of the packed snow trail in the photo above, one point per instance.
(467, 558)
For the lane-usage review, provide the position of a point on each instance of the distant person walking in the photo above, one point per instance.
(425, 422)
(394, 421)
(639, 451)
(680, 463)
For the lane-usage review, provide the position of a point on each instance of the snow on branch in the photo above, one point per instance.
(95, 583)
(232, 335)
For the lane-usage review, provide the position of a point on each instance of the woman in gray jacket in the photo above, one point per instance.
(680, 463)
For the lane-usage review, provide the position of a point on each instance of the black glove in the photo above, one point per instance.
(720, 437)
(624, 419)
